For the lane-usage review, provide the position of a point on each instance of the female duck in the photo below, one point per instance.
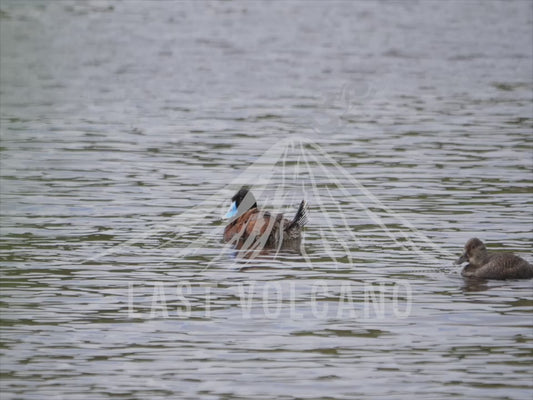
(487, 265)
(250, 225)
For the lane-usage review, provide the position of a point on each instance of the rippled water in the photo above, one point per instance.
(127, 126)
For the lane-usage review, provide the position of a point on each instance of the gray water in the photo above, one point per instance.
(126, 127)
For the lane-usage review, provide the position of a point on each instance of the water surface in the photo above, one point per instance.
(126, 126)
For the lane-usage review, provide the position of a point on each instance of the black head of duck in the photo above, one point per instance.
(485, 265)
(248, 224)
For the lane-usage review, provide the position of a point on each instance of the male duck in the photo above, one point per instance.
(249, 224)
(487, 265)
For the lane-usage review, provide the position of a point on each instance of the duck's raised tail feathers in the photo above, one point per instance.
(300, 219)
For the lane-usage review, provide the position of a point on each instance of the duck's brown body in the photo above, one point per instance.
(500, 266)
(485, 265)
(254, 227)
(270, 229)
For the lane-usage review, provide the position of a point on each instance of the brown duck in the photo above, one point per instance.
(485, 265)
(248, 224)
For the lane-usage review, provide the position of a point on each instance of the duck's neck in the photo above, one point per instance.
(480, 258)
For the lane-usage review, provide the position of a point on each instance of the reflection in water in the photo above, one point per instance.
(271, 252)
(474, 285)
